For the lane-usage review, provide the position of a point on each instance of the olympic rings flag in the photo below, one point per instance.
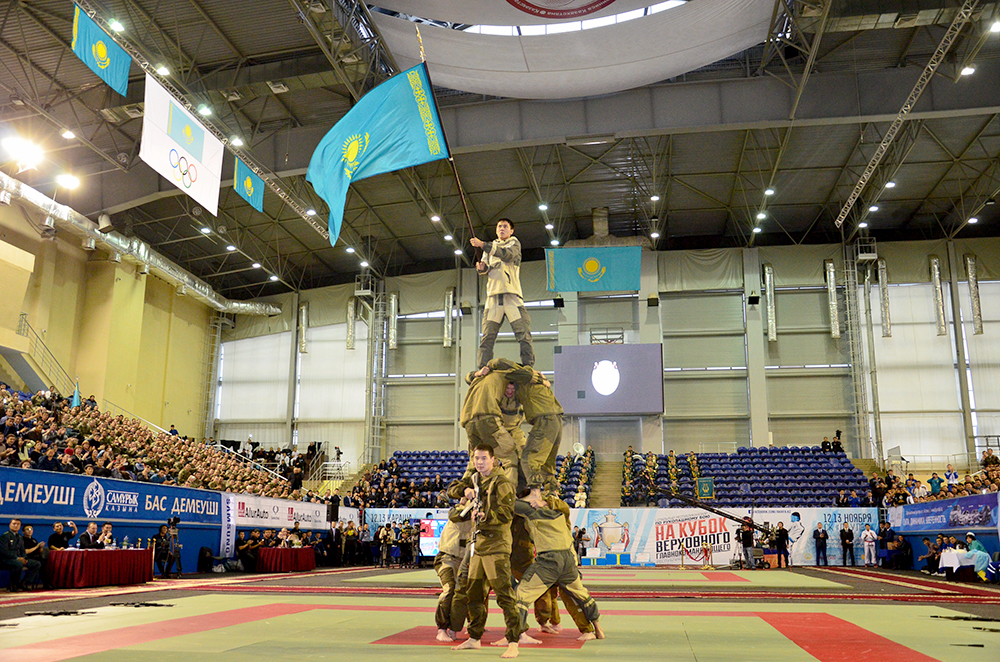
(180, 149)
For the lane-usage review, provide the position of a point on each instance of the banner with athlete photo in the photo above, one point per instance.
(962, 514)
(651, 537)
(178, 147)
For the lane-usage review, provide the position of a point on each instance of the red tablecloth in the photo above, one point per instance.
(99, 567)
(293, 559)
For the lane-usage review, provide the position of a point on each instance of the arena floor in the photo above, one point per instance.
(830, 615)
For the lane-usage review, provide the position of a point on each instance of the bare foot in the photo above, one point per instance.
(500, 642)
(510, 653)
(443, 635)
(551, 629)
(468, 644)
(597, 630)
(526, 639)
(586, 636)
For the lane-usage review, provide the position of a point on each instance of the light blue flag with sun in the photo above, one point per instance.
(100, 52)
(612, 268)
(249, 185)
(394, 126)
(75, 402)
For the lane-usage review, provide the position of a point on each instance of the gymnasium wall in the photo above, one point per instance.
(127, 337)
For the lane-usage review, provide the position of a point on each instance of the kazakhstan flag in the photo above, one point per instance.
(394, 126)
(249, 185)
(100, 52)
(593, 269)
(186, 132)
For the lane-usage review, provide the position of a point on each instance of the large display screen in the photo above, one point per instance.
(609, 380)
(430, 535)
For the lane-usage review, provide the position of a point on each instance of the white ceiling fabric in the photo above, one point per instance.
(501, 12)
(587, 62)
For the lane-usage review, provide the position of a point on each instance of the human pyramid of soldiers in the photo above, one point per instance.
(510, 527)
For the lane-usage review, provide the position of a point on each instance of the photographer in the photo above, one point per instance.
(164, 552)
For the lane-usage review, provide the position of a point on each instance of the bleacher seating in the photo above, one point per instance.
(572, 475)
(782, 476)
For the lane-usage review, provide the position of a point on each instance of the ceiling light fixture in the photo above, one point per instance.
(654, 198)
(873, 208)
(206, 230)
(996, 26)
(67, 180)
(349, 249)
(236, 141)
(364, 264)
(116, 25)
(230, 248)
(256, 265)
(310, 212)
(863, 224)
(448, 237)
(757, 230)
(274, 277)
(968, 70)
(769, 191)
(973, 220)
(554, 242)
(542, 206)
(654, 235)
(435, 218)
(68, 135)
(26, 153)
(890, 184)
(549, 226)
(204, 110)
(761, 216)
(162, 70)
(458, 251)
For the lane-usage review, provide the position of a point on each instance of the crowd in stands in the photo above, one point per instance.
(892, 490)
(388, 485)
(42, 431)
(646, 477)
(575, 475)
(345, 544)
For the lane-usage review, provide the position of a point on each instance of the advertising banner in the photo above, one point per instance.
(49, 495)
(972, 512)
(376, 517)
(249, 511)
(651, 536)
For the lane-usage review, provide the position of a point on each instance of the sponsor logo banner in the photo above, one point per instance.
(263, 512)
(31, 493)
(376, 517)
(972, 512)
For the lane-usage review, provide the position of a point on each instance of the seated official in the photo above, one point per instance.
(91, 538)
(13, 558)
(60, 538)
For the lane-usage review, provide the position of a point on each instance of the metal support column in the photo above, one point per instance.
(862, 429)
(756, 351)
(954, 264)
(371, 293)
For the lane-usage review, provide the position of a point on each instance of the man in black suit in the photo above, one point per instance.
(91, 539)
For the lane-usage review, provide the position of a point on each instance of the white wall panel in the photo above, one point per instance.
(332, 381)
(255, 378)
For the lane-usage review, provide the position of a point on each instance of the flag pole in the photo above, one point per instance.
(451, 158)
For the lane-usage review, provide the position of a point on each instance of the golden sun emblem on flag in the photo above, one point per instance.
(591, 270)
(100, 52)
(354, 149)
(187, 134)
(248, 185)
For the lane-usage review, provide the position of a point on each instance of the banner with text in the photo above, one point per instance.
(662, 536)
(249, 511)
(31, 493)
(376, 517)
(972, 512)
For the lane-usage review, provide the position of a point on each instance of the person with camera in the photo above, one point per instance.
(746, 539)
(163, 552)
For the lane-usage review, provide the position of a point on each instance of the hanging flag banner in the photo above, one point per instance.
(593, 269)
(249, 185)
(180, 149)
(100, 52)
(394, 126)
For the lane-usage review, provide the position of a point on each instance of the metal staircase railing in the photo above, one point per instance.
(213, 344)
(43, 357)
(862, 427)
(373, 289)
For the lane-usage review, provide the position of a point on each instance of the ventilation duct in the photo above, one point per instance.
(831, 297)
(772, 324)
(351, 313)
(393, 319)
(942, 328)
(449, 325)
(883, 295)
(602, 236)
(303, 325)
(977, 312)
(137, 252)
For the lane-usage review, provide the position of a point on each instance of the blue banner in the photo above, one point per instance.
(100, 52)
(394, 126)
(31, 493)
(971, 512)
(249, 185)
(593, 269)
(185, 131)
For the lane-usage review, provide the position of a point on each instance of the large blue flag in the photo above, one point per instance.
(593, 269)
(394, 126)
(75, 402)
(249, 185)
(100, 52)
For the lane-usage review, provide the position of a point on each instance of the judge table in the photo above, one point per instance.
(81, 568)
(291, 559)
